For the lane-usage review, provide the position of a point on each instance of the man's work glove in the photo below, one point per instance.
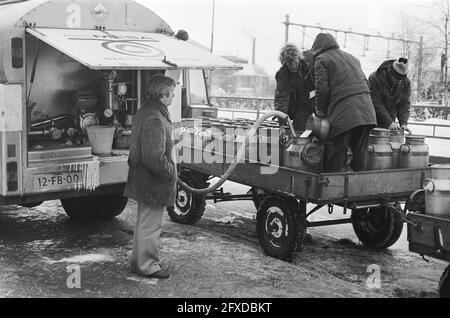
(406, 128)
(394, 126)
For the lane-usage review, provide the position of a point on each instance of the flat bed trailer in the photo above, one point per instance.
(374, 197)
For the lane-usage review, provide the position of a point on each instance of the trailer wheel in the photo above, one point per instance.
(377, 228)
(189, 207)
(99, 207)
(444, 284)
(281, 227)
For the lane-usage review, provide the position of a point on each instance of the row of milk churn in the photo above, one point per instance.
(270, 144)
(226, 137)
(391, 149)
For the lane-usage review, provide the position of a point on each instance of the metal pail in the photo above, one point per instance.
(101, 139)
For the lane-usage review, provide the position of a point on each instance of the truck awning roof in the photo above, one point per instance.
(101, 50)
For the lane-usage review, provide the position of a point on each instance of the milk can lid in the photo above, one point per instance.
(312, 154)
(381, 132)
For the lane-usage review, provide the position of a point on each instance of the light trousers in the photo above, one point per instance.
(145, 255)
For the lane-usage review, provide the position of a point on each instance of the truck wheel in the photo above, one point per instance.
(189, 207)
(377, 228)
(31, 205)
(281, 227)
(99, 207)
(444, 284)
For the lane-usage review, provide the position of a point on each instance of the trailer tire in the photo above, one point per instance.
(99, 207)
(377, 228)
(189, 207)
(281, 227)
(444, 284)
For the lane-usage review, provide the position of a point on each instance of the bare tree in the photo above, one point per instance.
(437, 37)
(414, 29)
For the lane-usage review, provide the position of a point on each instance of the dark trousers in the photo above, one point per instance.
(300, 117)
(336, 150)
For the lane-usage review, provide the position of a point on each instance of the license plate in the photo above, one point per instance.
(51, 181)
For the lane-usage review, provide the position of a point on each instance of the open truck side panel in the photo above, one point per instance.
(65, 65)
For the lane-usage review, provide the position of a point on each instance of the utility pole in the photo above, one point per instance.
(212, 25)
(254, 52)
(286, 23)
(212, 47)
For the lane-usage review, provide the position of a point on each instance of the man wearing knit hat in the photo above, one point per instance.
(390, 89)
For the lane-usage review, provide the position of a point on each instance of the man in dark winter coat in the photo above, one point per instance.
(390, 89)
(294, 84)
(152, 174)
(343, 97)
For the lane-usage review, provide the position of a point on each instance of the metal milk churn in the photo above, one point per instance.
(380, 150)
(188, 143)
(397, 139)
(269, 141)
(303, 154)
(239, 141)
(251, 151)
(206, 136)
(414, 153)
(437, 197)
(229, 142)
(251, 142)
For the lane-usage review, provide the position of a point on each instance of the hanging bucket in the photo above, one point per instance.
(101, 139)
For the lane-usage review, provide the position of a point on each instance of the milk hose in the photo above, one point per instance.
(251, 133)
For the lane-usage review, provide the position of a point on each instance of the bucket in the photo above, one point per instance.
(101, 139)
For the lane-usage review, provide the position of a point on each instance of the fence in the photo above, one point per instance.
(252, 108)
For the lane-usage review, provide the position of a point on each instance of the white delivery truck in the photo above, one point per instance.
(66, 65)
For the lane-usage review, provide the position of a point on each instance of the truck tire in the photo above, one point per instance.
(377, 228)
(188, 207)
(99, 207)
(281, 227)
(444, 284)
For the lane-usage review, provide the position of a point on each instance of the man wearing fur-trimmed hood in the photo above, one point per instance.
(343, 97)
(390, 89)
